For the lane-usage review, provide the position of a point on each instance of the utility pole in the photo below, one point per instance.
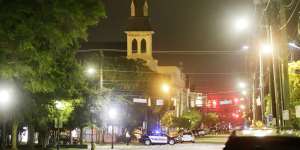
(261, 85)
(284, 56)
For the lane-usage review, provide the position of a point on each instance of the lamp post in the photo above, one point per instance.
(265, 49)
(5, 103)
(91, 71)
(112, 116)
(59, 106)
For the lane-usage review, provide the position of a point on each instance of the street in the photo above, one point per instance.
(187, 146)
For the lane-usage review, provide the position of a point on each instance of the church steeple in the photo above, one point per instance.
(139, 32)
(132, 9)
(146, 9)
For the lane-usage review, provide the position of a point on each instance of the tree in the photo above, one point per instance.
(195, 118)
(211, 119)
(38, 42)
(168, 119)
(182, 122)
(294, 86)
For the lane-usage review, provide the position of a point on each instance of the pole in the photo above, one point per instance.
(253, 99)
(101, 71)
(112, 136)
(272, 93)
(261, 84)
(3, 135)
(58, 133)
(92, 138)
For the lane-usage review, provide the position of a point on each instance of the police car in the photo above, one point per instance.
(157, 138)
(186, 137)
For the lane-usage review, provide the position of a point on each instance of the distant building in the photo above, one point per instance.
(139, 46)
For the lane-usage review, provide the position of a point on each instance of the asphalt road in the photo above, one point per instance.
(187, 146)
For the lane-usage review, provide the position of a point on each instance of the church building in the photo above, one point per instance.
(139, 34)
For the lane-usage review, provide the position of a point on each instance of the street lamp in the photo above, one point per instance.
(165, 88)
(5, 99)
(242, 85)
(243, 107)
(244, 92)
(245, 48)
(241, 24)
(5, 104)
(265, 49)
(59, 106)
(91, 71)
(112, 114)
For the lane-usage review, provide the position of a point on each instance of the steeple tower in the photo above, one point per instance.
(139, 32)
(132, 9)
(146, 9)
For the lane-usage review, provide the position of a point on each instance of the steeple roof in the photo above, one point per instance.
(139, 19)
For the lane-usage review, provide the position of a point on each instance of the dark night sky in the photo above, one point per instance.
(200, 25)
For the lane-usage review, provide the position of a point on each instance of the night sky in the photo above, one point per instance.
(187, 25)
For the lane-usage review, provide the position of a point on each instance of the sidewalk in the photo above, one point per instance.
(220, 139)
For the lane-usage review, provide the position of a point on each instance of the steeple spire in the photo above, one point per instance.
(146, 9)
(132, 9)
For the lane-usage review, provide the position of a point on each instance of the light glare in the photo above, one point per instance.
(165, 88)
(4, 98)
(112, 114)
(91, 71)
(59, 105)
(241, 24)
(266, 48)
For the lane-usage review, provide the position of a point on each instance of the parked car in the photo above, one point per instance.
(261, 140)
(200, 132)
(186, 137)
(157, 138)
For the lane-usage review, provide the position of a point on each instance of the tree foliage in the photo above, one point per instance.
(294, 86)
(211, 119)
(38, 42)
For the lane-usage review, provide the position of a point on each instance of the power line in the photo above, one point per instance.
(167, 51)
(268, 4)
(291, 16)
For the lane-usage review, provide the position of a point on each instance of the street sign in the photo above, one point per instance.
(140, 100)
(226, 102)
(199, 102)
(159, 102)
(297, 108)
(285, 115)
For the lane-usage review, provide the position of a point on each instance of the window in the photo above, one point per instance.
(134, 46)
(143, 46)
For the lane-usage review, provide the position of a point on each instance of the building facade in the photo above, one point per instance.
(139, 35)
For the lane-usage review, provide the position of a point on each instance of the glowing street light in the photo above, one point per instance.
(241, 24)
(243, 107)
(266, 49)
(5, 98)
(59, 105)
(112, 114)
(242, 85)
(245, 47)
(165, 88)
(91, 71)
(244, 92)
